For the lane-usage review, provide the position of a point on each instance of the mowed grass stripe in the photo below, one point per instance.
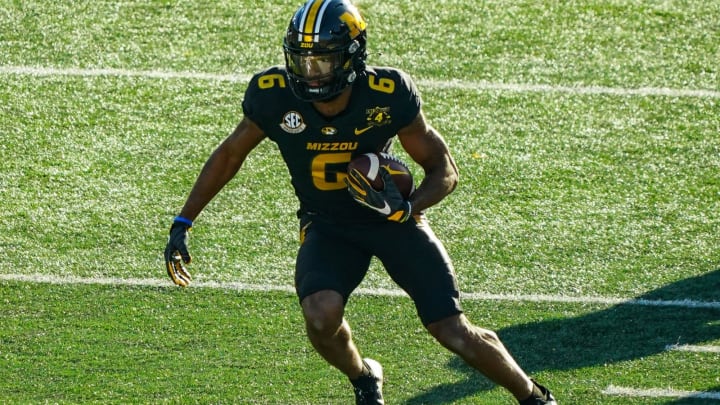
(109, 344)
(430, 83)
(473, 296)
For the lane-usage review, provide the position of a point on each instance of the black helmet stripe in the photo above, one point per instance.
(311, 20)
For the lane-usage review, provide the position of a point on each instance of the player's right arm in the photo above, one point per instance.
(219, 169)
(222, 166)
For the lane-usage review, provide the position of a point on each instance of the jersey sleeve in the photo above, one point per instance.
(409, 96)
(262, 93)
(249, 108)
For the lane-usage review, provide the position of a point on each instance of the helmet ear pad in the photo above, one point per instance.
(359, 54)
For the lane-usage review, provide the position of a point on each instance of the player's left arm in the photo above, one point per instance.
(426, 146)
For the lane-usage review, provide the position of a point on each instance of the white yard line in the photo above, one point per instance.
(155, 74)
(693, 348)
(660, 393)
(150, 282)
(444, 84)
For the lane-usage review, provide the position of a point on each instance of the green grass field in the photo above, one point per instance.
(585, 230)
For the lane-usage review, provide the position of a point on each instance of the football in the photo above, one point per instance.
(369, 165)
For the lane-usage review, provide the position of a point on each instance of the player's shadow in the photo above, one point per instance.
(621, 332)
(697, 400)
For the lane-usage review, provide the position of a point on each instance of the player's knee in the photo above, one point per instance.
(323, 311)
(448, 331)
(458, 334)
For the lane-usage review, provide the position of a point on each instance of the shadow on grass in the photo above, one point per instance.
(695, 400)
(619, 333)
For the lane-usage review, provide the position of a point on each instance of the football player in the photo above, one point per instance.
(323, 108)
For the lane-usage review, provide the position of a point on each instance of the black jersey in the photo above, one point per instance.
(316, 149)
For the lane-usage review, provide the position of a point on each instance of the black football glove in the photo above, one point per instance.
(388, 202)
(176, 253)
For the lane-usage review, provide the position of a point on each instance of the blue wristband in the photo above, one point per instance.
(183, 220)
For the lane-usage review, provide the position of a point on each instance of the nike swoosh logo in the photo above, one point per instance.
(361, 131)
(384, 210)
(393, 171)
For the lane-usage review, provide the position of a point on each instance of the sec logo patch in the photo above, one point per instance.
(293, 122)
